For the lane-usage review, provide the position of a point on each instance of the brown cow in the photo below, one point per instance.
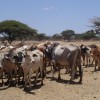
(96, 57)
(9, 67)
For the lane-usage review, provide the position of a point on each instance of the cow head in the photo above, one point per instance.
(85, 49)
(29, 57)
(49, 50)
(15, 57)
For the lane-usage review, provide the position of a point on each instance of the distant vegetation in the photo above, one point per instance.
(11, 30)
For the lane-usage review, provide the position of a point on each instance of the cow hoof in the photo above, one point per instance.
(35, 84)
(98, 69)
(59, 78)
(80, 82)
(2, 85)
(25, 88)
(42, 83)
(30, 89)
(16, 85)
(71, 82)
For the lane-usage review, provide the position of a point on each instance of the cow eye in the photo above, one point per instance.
(34, 55)
(24, 56)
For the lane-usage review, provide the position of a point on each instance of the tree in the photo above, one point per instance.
(78, 36)
(89, 35)
(57, 36)
(12, 29)
(96, 24)
(41, 36)
(67, 34)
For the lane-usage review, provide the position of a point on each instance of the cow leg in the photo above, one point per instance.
(41, 76)
(8, 76)
(72, 73)
(59, 77)
(53, 69)
(2, 80)
(92, 62)
(2, 77)
(36, 77)
(44, 66)
(89, 62)
(52, 72)
(16, 77)
(11, 77)
(80, 73)
(29, 81)
(83, 60)
(86, 62)
(25, 80)
(96, 62)
(99, 65)
(78, 63)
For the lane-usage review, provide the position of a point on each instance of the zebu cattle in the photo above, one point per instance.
(23, 48)
(16, 55)
(96, 57)
(7, 64)
(32, 63)
(46, 57)
(86, 54)
(68, 56)
(1, 68)
(9, 67)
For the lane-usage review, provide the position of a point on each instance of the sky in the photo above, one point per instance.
(51, 16)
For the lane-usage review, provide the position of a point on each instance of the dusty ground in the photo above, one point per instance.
(59, 90)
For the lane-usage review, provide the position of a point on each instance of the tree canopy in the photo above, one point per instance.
(57, 37)
(67, 34)
(12, 29)
(89, 35)
(96, 24)
(41, 36)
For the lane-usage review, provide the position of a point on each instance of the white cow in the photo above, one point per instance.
(32, 63)
(20, 49)
(69, 56)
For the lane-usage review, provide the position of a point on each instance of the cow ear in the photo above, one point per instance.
(25, 54)
(5, 56)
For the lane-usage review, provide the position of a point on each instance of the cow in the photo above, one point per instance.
(1, 69)
(16, 58)
(1, 74)
(32, 63)
(86, 54)
(9, 67)
(46, 57)
(68, 56)
(96, 57)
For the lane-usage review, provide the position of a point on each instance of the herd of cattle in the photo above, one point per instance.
(21, 61)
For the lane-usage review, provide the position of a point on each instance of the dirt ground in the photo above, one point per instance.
(54, 89)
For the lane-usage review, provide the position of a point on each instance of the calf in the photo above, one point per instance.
(32, 63)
